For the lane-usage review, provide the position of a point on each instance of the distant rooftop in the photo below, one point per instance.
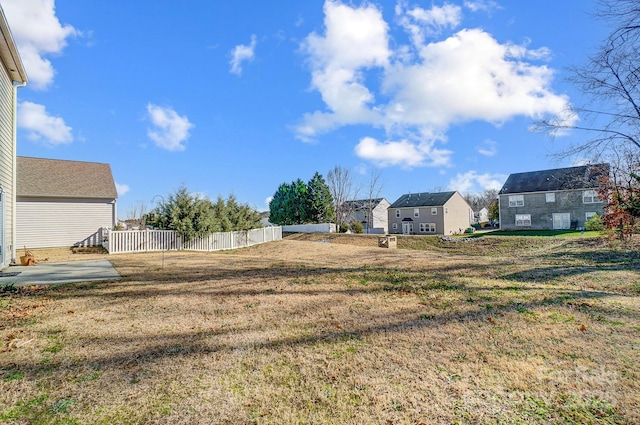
(422, 199)
(571, 178)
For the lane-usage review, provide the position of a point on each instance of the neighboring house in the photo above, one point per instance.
(481, 216)
(441, 213)
(372, 213)
(63, 203)
(12, 76)
(561, 198)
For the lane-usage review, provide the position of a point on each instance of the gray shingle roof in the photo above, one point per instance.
(571, 178)
(363, 204)
(422, 200)
(40, 177)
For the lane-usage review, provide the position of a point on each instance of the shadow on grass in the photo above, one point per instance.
(131, 354)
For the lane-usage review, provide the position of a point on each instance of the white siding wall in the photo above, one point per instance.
(49, 223)
(380, 217)
(6, 162)
(458, 214)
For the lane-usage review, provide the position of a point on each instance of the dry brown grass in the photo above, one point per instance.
(312, 332)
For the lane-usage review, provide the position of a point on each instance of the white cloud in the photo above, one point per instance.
(471, 181)
(421, 23)
(267, 201)
(37, 33)
(401, 153)
(488, 148)
(420, 91)
(121, 188)
(355, 39)
(170, 131)
(240, 54)
(487, 6)
(42, 127)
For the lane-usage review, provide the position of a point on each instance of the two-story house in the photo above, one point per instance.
(12, 76)
(372, 213)
(561, 198)
(440, 213)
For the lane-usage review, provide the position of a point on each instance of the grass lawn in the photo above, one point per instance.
(330, 329)
(545, 233)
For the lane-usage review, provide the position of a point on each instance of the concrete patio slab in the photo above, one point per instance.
(59, 273)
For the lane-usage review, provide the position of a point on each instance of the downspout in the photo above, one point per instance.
(15, 171)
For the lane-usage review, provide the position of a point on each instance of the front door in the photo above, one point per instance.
(407, 228)
(561, 221)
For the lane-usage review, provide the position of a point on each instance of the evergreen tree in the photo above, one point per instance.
(277, 206)
(187, 214)
(320, 203)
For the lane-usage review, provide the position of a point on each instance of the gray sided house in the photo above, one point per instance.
(441, 213)
(372, 213)
(63, 203)
(562, 198)
(12, 76)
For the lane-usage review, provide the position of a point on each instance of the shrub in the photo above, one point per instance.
(356, 227)
(344, 227)
(594, 223)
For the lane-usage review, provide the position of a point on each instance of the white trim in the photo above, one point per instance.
(516, 201)
(427, 227)
(523, 220)
(590, 196)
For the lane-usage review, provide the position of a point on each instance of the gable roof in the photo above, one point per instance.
(426, 199)
(9, 52)
(363, 204)
(64, 179)
(571, 178)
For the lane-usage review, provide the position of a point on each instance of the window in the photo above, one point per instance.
(427, 227)
(551, 197)
(516, 201)
(416, 212)
(397, 213)
(587, 216)
(434, 211)
(590, 197)
(523, 220)
(395, 226)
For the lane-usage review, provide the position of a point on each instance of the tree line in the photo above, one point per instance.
(193, 215)
(323, 201)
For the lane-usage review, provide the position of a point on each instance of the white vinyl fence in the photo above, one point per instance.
(310, 228)
(125, 241)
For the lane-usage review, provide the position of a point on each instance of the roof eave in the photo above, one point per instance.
(9, 53)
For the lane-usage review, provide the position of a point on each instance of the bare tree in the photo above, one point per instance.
(136, 214)
(374, 187)
(341, 185)
(611, 81)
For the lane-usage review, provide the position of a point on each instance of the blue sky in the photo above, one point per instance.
(240, 96)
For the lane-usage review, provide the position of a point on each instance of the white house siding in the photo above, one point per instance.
(50, 223)
(381, 218)
(6, 166)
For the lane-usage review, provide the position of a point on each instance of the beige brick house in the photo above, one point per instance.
(440, 213)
